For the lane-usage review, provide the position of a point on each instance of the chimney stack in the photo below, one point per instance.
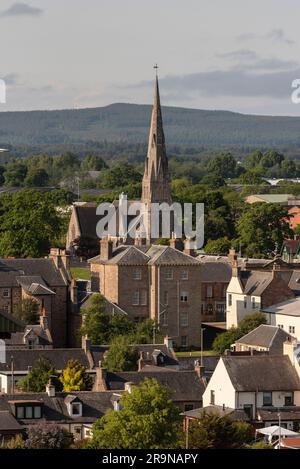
(188, 249)
(101, 375)
(85, 343)
(168, 342)
(106, 249)
(128, 386)
(176, 243)
(199, 369)
(50, 388)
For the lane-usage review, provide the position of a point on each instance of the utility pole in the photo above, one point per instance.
(201, 355)
(279, 424)
(12, 375)
(187, 434)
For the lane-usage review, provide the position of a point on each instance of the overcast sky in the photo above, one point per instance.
(212, 54)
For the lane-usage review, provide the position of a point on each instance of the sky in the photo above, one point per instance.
(235, 55)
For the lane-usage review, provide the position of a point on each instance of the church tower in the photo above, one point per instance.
(156, 184)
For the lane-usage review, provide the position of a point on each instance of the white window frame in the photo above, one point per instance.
(143, 298)
(6, 293)
(137, 274)
(209, 291)
(169, 274)
(136, 298)
(184, 319)
(184, 297)
(184, 275)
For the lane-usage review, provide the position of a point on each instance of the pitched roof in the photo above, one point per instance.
(143, 255)
(290, 307)
(94, 405)
(165, 255)
(255, 282)
(87, 219)
(12, 269)
(34, 284)
(186, 385)
(270, 337)
(58, 357)
(215, 272)
(8, 422)
(262, 373)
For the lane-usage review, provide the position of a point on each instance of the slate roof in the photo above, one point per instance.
(12, 269)
(87, 219)
(58, 357)
(215, 272)
(16, 338)
(261, 373)
(287, 413)
(186, 385)
(255, 282)
(8, 422)
(142, 255)
(270, 337)
(95, 405)
(148, 350)
(290, 307)
(235, 414)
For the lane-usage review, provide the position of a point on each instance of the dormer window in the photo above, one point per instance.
(74, 406)
(28, 411)
(76, 409)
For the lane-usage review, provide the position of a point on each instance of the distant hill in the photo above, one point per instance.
(130, 122)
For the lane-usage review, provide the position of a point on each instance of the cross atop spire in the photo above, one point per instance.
(155, 68)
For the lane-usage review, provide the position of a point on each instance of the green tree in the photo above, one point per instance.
(15, 174)
(96, 321)
(219, 246)
(251, 321)
(262, 227)
(224, 165)
(28, 311)
(120, 175)
(224, 340)
(213, 431)
(93, 163)
(260, 445)
(38, 377)
(75, 378)
(146, 332)
(29, 224)
(148, 419)
(121, 356)
(36, 177)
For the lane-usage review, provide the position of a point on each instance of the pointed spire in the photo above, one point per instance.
(156, 176)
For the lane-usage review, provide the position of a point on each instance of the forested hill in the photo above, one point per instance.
(130, 123)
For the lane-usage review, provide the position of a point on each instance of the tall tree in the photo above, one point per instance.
(38, 377)
(262, 228)
(148, 419)
(28, 225)
(121, 356)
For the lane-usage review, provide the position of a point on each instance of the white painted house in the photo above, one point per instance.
(251, 290)
(255, 384)
(285, 315)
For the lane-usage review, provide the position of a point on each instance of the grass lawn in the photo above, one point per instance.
(196, 353)
(80, 272)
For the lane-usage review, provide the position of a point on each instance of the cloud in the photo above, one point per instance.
(275, 35)
(227, 83)
(21, 9)
(240, 54)
(280, 36)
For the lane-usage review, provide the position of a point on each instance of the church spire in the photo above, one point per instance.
(156, 186)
